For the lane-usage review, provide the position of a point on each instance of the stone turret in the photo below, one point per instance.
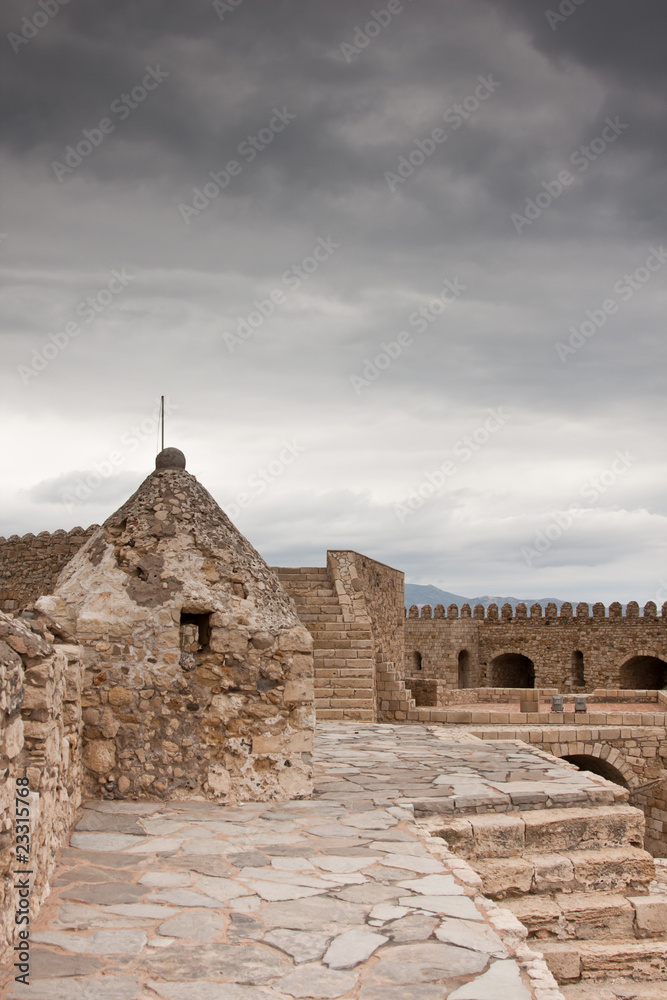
(199, 674)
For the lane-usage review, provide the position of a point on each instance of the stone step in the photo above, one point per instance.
(609, 869)
(591, 915)
(540, 830)
(572, 960)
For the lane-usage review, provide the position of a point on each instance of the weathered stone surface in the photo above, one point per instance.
(200, 990)
(409, 991)
(370, 893)
(303, 947)
(193, 926)
(450, 906)
(330, 916)
(415, 927)
(466, 934)
(502, 980)
(352, 947)
(111, 892)
(50, 964)
(185, 897)
(312, 981)
(434, 885)
(74, 916)
(105, 841)
(429, 962)
(248, 964)
(109, 988)
(109, 823)
(165, 880)
(103, 942)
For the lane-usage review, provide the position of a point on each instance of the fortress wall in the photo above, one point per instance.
(549, 639)
(383, 589)
(29, 565)
(40, 755)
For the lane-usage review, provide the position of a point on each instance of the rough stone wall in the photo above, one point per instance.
(40, 738)
(547, 638)
(168, 711)
(383, 589)
(29, 565)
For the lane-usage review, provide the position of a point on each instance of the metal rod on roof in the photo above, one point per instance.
(162, 418)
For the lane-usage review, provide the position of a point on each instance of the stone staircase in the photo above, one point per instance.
(342, 647)
(578, 879)
(394, 699)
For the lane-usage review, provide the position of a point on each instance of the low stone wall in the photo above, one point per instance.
(40, 740)
(29, 565)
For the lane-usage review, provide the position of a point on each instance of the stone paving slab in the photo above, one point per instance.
(323, 898)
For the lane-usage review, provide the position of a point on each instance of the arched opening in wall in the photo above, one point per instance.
(643, 673)
(578, 674)
(416, 661)
(512, 670)
(465, 680)
(585, 762)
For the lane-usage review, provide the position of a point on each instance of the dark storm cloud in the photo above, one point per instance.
(330, 174)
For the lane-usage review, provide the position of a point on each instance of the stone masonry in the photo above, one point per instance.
(40, 739)
(615, 650)
(198, 670)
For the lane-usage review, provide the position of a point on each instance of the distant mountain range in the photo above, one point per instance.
(416, 593)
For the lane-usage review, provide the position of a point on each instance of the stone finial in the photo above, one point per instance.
(439, 611)
(566, 610)
(536, 610)
(465, 611)
(452, 611)
(582, 610)
(598, 610)
(650, 609)
(170, 458)
(506, 611)
(427, 611)
(521, 611)
(478, 611)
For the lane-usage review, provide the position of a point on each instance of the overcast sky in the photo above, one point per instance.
(472, 193)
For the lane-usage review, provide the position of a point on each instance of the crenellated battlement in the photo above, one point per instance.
(30, 564)
(536, 611)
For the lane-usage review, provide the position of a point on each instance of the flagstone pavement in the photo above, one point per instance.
(339, 896)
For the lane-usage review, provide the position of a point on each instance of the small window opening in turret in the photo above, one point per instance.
(416, 661)
(195, 631)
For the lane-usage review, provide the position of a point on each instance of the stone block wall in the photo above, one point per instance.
(383, 589)
(234, 721)
(29, 565)
(40, 738)
(606, 640)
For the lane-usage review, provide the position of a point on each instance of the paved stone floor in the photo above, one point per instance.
(341, 895)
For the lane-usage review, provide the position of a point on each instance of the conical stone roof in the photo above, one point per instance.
(171, 545)
(199, 672)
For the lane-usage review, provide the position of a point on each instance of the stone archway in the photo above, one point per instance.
(602, 759)
(511, 670)
(587, 762)
(464, 675)
(643, 673)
